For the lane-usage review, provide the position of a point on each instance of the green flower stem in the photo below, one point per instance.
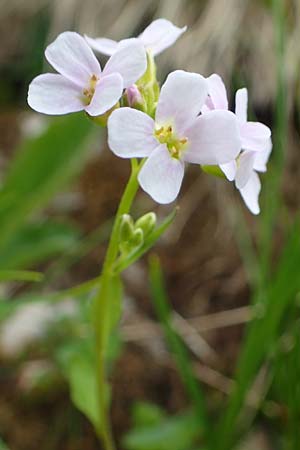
(102, 306)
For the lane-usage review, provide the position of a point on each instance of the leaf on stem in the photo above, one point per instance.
(80, 370)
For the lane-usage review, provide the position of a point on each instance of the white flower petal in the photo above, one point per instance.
(250, 193)
(262, 157)
(229, 169)
(217, 92)
(213, 139)
(245, 168)
(130, 133)
(107, 93)
(102, 45)
(129, 61)
(181, 99)
(241, 104)
(159, 35)
(161, 175)
(71, 56)
(124, 42)
(255, 136)
(53, 94)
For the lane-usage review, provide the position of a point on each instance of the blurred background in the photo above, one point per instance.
(60, 189)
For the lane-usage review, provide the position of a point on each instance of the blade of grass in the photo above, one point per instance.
(36, 242)
(7, 307)
(20, 275)
(273, 297)
(262, 333)
(286, 383)
(182, 359)
(272, 197)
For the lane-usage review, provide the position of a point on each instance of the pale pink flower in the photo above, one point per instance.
(80, 83)
(157, 37)
(177, 135)
(256, 143)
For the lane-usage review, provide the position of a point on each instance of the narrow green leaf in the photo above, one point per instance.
(163, 310)
(261, 335)
(34, 243)
(20, 275)
(272, 189)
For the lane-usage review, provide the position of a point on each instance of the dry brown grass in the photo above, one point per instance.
(231, 37)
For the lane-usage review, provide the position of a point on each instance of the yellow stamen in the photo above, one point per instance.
(89, 92)
(175, 145)
(159, 131)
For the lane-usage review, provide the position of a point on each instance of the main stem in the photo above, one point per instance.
(101, 322)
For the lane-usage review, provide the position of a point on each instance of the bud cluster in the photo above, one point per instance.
(133, 234)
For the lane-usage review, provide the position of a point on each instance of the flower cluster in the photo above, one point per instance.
(186, 121)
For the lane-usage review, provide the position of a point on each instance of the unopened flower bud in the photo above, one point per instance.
(137, 238)
(134, 97)
(146, 223)
(126, 228)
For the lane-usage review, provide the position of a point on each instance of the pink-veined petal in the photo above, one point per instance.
(55, 95)
(129, 61)
(217, 93)
(71, 56)
(262, 157)
(229, 169)
(241, 104)
(181, 99)
(213, 139)
(245, 168)
(107, 93)
(130, 133)
(102, 45)
(161, 175)
(255, 136)
(160, 35)
(250, 193)
(208, 105)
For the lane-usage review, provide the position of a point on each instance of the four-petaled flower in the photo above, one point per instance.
(256, 143)
(157, 37)
(177, 135)
(80, 83)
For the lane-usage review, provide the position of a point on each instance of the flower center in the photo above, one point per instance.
(175, 145)
(89, 92)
